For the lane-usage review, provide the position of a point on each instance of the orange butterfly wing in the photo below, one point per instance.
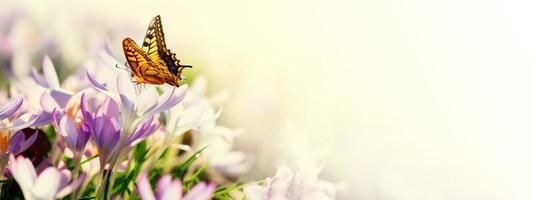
(144, 70)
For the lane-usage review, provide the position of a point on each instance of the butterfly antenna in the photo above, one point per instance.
(123, 68)
(183, 67)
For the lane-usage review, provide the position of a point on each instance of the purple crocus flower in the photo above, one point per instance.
(133, 109)
(168, 189)
(11, 122)
(103, 126)
(13, 141)
(72, 131)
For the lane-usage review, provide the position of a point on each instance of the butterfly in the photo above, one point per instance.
(153, 63)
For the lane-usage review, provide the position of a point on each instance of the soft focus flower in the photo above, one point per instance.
(13, 141)
(200, 115)
(54, 97)
(11, 120)
(168, 189)
(51, 183)
(290, 185)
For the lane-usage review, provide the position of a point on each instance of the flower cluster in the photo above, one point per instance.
(96, 134)
(109, 138)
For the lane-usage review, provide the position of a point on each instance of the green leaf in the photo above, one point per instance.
(88, 159)
(182, 169)
(69, 162)
(50, 133)
(194, 178)
(139, 153)
(223, 192)
(139, 156)
(120, 179)
(164, 118)
(154, 174)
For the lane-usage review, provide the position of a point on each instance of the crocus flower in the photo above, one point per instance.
(12, 141)
(71, 130)
(11, 119)
(168, 189)
(106, 128)
(54, 97)
(200, 116)
(51, 183)
(103, 126)
(287, 184)
(134, 106)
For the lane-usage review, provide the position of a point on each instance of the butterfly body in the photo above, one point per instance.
(153, 63)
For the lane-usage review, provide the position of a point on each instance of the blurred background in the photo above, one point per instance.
(405, 99)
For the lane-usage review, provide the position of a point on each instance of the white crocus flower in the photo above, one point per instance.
(198, 114)
(51, 183)
(291, 185)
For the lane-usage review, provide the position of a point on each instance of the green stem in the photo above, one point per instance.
(76, 172)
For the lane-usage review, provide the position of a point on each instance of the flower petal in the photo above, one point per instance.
(24, 173)
(101, 87)
(254, 192)
(15, 141)
(83, 138)
(108, 137)
(108, 108)
(95, 83)
(170, 190)
(43, 118)
(19, 144)
(38, 78)
(61, 97)
(191, 116)
(50, 74)
(47, 184)
(12, 106)
(24, 121)
(170, 98)
(71, 187)
(142, 131)
(201, 191)
(144, 188)
(146, 101)
(126, 93)
(85, 111)
(48, 103)
(68, 130)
